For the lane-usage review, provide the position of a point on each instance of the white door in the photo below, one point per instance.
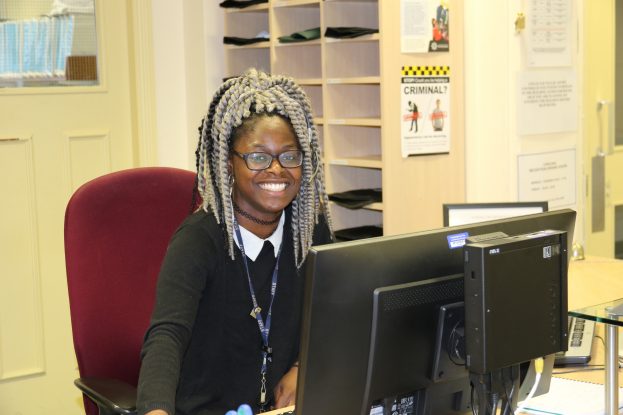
(53, 139)
(603, 151)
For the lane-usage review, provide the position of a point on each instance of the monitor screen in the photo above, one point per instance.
(338, 313)
(465, 213)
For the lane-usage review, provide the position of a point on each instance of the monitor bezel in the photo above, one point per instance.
(493, 207)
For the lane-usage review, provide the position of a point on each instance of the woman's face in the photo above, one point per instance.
(266, 192)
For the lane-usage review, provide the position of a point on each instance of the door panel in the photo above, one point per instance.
(52, 140)
(25, 357)
(603, 162)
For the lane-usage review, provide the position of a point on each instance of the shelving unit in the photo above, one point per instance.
(247, 23)
(354, 88)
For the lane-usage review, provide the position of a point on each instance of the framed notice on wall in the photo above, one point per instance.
(548, 176)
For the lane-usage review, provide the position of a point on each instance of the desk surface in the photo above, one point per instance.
(594, 281)
(279, 411)
(591, 281)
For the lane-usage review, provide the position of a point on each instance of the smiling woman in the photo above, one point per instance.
(225, 328)
(264, 185)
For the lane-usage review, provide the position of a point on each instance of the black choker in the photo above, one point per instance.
(253, 218)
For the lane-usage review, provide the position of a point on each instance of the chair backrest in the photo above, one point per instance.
(117, 228)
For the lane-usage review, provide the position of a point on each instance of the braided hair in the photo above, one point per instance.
(241, 100)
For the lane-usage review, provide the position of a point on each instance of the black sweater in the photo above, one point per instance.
(202, 351)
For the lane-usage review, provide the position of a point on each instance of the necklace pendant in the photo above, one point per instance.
(262, 392)
(255, 311)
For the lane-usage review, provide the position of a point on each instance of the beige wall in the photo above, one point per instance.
(494, 54)
(15, 9)
(188, 67)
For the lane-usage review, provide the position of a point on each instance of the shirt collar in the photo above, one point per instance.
(253, 244)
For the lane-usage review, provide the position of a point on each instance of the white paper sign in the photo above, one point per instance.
(549, 32)
(547, 102)
(547, 176)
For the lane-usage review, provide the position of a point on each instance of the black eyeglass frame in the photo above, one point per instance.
(245, 156)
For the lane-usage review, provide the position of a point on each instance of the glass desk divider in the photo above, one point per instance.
(611, 314)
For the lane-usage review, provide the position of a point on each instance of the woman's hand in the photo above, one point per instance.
(285, 391)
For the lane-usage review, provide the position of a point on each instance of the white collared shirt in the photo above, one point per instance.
(253, 244)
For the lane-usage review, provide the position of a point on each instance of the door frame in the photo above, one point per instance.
(599, 83)
(144, 99)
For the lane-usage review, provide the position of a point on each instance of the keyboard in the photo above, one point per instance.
(581, 333)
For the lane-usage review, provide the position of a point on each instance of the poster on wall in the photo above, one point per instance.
(425, 110)
(550, 33)
(424, 26)
(547, 176)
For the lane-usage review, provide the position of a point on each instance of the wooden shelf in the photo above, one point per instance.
(374, 206)
(369, 162)
(360, 39)
(254, 8)
(314, 42)
(345, 71)
(258, 45)
(358, 80)
(296, 3)
(350, 1)
(309, 81)
(364, 122)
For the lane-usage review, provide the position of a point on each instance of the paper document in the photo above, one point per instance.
(571, 397)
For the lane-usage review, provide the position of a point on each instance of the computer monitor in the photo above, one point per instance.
(465, 213)
(338, 311)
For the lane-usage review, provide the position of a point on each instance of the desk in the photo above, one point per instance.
(591, 281)
(279, 411)
(594, 281)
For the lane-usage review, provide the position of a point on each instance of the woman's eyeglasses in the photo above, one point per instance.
(261, 161)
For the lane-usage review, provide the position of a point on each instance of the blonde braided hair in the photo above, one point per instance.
(240, 100)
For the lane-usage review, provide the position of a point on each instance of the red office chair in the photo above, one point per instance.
(117, 228)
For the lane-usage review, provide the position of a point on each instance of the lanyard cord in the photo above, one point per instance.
(264, 328)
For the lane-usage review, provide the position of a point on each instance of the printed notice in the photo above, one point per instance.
(425, 104)
(549, 30)
(547, 176)
(547, 102)
(424, 26)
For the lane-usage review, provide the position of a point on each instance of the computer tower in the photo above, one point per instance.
(515, 299)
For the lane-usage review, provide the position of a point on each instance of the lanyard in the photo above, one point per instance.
(267, 351)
